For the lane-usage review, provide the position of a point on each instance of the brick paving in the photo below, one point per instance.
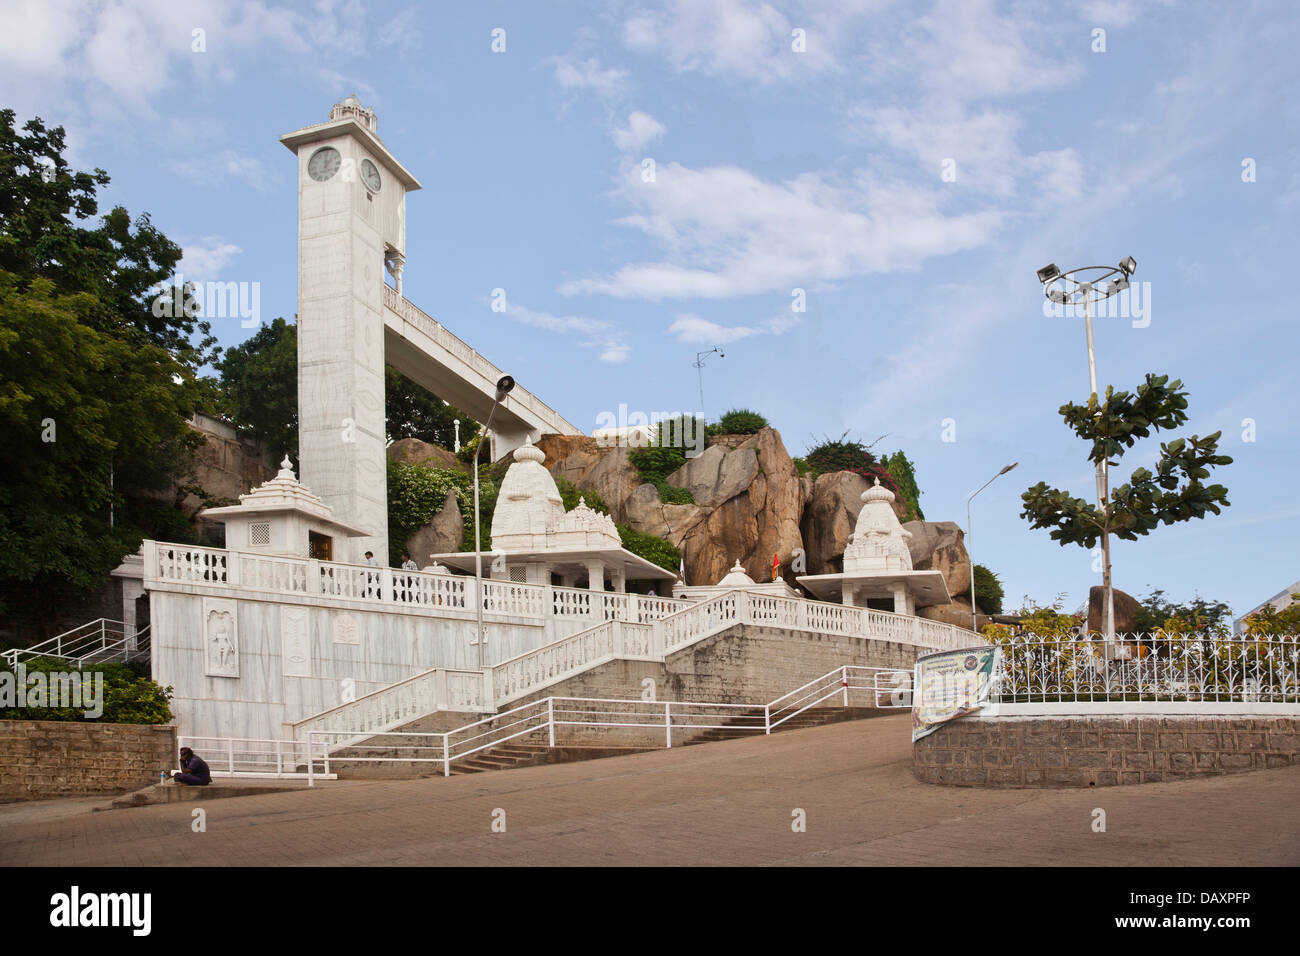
(715, 804)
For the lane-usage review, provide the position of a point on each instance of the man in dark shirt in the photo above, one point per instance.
(196, 772)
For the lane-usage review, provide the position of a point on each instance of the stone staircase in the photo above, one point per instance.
(514, 754)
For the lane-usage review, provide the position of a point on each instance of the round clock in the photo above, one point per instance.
(323, 164)
(370, 175)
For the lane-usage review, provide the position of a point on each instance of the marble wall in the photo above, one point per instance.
(291, 658)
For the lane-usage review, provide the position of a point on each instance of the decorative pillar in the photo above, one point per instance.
(595, 576)
(846, 593)
(619, 580)
(900, 600)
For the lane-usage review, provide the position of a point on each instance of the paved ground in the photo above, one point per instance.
(722, 803)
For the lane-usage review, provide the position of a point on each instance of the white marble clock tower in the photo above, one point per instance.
(351, 227)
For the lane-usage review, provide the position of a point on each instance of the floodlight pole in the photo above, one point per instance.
(1103, 481)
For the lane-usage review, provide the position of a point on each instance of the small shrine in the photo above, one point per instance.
(282, 517)
(535, 541)
(735, 579)
(878, 565)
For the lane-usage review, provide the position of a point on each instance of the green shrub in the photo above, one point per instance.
(901, 470)
(570, 494)
(416, 494)
(988, 591)
(128, 698)
(841, 455)
(738, 421)
(651, 547)
(655, 464)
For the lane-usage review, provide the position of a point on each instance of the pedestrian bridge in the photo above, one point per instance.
(423, 350)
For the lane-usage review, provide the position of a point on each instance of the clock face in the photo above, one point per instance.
(324, 163)
(370, 175)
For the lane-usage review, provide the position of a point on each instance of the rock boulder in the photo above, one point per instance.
(941, 546)
(1126, 610)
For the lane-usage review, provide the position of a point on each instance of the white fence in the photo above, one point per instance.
(100, 641)
(1149, 668)
(248, 757)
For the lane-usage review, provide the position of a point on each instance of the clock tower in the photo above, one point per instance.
(351, 228)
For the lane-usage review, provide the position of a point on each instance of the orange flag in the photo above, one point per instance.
(776, 565)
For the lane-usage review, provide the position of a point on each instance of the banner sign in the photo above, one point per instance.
(951, 684)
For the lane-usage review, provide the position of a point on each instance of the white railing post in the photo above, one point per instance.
(844, 681)
(668, 722)
(279, 758)
(767, 719)
(550, 721)
(446, 756)
(234, 575)
(311, 759)
(230, 755)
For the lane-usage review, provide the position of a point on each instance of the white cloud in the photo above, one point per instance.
(691, 329)
(590, 333)
(204, 259)
(573, 74)
(641, 130)
(210, 169)
(739, 39)
(726, 232)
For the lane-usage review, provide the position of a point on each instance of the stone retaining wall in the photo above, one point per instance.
(1101, 751)
(55, 758)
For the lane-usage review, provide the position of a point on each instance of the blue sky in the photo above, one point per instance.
(775, 170)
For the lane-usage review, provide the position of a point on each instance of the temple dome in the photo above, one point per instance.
(736, 578)
(530, 513)
(879, 541)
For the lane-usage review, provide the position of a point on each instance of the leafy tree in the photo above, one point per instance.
(904, 475)
(259, 387)
(651, 547)
(1172, 493)
(833, 455)
(988, 591)
(95, 388)
(571, 495)
(1157, 613)
(1268, 620)
(738, 421)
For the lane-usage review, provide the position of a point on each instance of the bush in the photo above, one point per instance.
(655, 464)
(841, 455)
(904, 475)
(651, 547)
(128, 698)
(738, 421)
(988, 591)
(1199, 614)
(416, 493)
(570, 494)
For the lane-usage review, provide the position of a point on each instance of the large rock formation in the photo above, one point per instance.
(717, 475)
(592, 466)
(940, 546)
(441, 535)
(957, 613)
(415, 451)
(1126, 610)
(829, 516)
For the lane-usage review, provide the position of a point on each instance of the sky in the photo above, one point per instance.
(850, 199)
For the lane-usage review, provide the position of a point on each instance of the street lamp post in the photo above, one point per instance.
(504, 386)
(1084, 286)
(699, 367)
(969, 553)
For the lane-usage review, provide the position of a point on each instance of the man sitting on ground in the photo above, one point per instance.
(196, 772)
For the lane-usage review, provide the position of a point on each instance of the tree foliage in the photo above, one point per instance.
(988, 591)
(1159, 614)
(1173, 492)
(904, 475)
(738, 421)
(128, 697)
(94, 388)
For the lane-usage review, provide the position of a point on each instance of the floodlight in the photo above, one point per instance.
(1129, 265)
(504, 386)
(1048, 272)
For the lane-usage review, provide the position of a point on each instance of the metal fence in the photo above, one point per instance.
(1159, 667)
